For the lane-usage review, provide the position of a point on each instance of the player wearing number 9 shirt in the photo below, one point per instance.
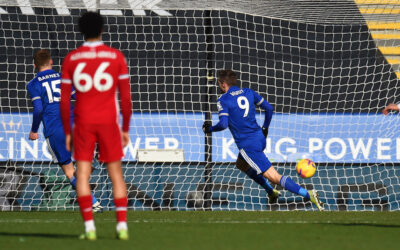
(236, 109)
(97, 71)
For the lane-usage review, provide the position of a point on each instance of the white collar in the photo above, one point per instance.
(93, 44)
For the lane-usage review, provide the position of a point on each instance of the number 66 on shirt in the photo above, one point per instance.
(96, 71)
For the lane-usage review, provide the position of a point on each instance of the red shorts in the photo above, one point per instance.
(108, 137)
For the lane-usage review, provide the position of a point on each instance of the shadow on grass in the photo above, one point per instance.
(363, 225)
(41, 235)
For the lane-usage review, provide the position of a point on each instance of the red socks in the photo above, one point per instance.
(120, 208)
(85, 204)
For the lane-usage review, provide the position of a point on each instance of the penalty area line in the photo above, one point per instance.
(171, 221)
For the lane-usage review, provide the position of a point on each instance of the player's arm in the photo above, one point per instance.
(261, 102)
(391, 107)
(65, 102)
(126, 102)
(37, 112)
(223, 119)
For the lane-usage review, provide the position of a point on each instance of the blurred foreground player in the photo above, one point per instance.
(97, 71)
(236, 109)
(44, 91)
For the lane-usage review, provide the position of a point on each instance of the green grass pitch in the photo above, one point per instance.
(205, 230)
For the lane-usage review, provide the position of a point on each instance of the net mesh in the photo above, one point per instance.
(327, 67)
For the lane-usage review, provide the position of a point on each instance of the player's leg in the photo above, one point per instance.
(84, 139)
(242, 165)
(56, 146)
(287, 183)
(110, 151)
(120, 197)
(259, 162)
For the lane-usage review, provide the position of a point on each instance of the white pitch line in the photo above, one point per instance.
(170, 221)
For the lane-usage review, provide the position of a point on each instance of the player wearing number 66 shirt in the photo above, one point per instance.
(97, 71)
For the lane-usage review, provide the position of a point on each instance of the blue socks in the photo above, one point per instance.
(260, 180)
(94, 200)
(73, 184)
(293, 187)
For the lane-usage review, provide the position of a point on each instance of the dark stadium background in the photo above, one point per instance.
(299, 67)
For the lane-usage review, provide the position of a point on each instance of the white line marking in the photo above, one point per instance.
(108, 2)
(161, 12)
(61, 7)
(170, 221)
(25, 7)
(111, 12)
(3, 11)
(90, 5)
(139, 12)
(138, 7)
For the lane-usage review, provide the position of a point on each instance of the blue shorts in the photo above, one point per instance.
(256, 160)
(57, 149)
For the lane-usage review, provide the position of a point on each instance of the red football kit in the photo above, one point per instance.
(96, 71)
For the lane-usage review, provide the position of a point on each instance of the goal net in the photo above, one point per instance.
(327, 67)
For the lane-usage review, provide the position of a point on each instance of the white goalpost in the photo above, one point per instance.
(327, 67)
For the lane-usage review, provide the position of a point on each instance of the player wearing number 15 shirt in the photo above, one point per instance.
(97, 71)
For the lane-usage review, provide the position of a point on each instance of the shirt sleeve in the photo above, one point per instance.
(34, 93)
(257, 98)
(261, 102)
(125, 93)
(37, 115)
(221, 125)
(65, 72)
(222, 108)
(37, 106)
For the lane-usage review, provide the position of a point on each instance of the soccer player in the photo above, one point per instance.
(236, 109)
(44, 91)
(391, 107)
(97, 71)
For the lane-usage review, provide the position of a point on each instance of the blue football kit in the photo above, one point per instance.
(237, 111)
(45, 93)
